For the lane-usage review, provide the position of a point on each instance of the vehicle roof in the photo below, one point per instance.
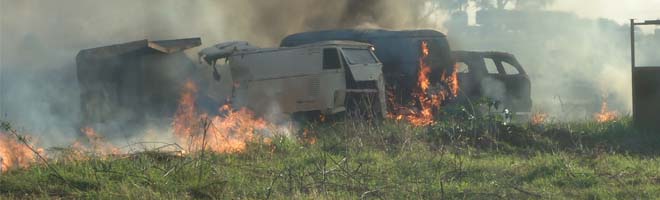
(338, 42)
(481, 53)
(161, 46)
(363, 35)
(342, 43)
(352, 34)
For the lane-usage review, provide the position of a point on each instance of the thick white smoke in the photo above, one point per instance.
(39, 40)
(574, 60)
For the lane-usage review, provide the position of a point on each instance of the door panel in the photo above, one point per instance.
(332, 79)
(516, 83)
(646, 97)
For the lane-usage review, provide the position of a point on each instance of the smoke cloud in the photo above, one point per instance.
(39, 40)
(574, 63)
(564, 54)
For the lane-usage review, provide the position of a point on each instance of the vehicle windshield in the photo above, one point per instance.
(359, 56)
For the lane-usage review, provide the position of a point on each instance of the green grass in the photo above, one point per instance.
(455, 159)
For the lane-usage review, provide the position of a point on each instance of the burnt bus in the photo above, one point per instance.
(399, 51)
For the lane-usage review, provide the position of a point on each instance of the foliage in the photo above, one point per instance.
(462, 5)
(456, 158)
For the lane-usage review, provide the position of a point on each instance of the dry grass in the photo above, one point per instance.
(458, 158)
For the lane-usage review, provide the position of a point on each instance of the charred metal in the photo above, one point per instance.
(311, 74)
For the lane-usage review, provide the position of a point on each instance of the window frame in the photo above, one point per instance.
(348, 59)
(495, 64)
(511, 65)
(337, 58)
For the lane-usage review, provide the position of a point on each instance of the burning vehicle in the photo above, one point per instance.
(323, 78)
(124, 86)
(495, 75)
(417, 66)
(400, 52)
(397, 74)
(423, 73)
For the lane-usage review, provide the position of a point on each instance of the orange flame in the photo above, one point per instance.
(186, 117)
(452, 80)
(539, 118)
(229, 133)
(308, 136)
(424, 70)
(16, 155)
(321, 117)
(428, 100)
(13, 154)
(97, 142)
(427, 103)
(605, 115)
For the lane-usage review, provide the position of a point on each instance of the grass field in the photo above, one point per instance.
(375, 160)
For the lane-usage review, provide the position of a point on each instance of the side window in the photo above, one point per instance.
(490, 66)
(331, 59)
(509, 68)
(461, 67)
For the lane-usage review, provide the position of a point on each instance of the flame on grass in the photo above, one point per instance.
(605, 115)
(539, 118)
(229, 132)
(97, 143)
(14, 154)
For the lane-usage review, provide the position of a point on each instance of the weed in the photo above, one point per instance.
(455, 158)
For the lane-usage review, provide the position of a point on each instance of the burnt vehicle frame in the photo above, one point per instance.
(400, 53)
(497, 76)
(124, 86)
(323, 78)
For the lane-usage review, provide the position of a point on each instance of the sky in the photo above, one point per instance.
(78, 24)
(620, 11)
